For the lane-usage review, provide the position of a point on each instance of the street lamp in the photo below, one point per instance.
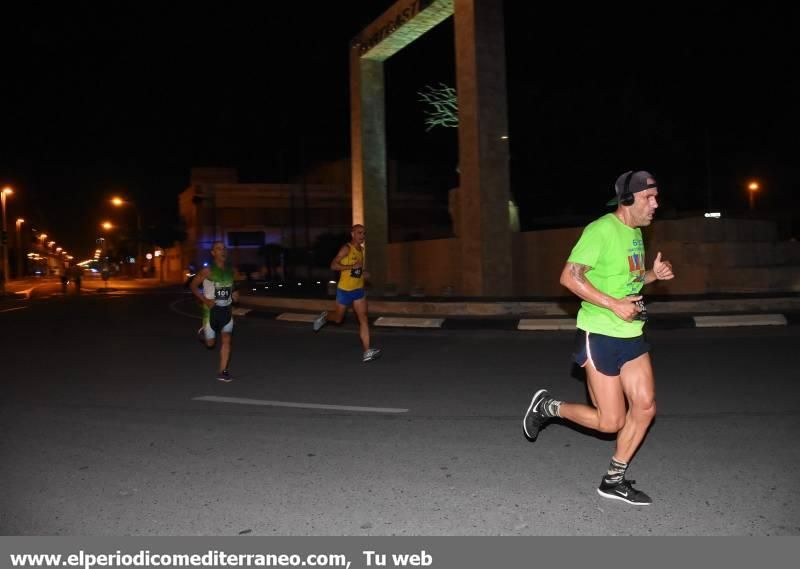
(119, 202)
(6, 191)
(753, 187)
(42, 252)
(20, 252)
(107, 226)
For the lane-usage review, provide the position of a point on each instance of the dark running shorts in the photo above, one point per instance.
(607, 354)
(220, 317)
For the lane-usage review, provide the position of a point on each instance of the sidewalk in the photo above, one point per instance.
(17, 288)
(721, 310)
(124, 283)
(539, 314)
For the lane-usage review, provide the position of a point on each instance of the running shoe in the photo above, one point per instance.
(371, 354)
(624, 491)
(224, 376)
(320, 321)
(536, 415)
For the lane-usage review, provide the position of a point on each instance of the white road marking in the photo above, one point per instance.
(296, 317)
(13, 309)
(27, 292)
(173, 307)
(403, 322)
(740, 320)
(546, 324)
(264, 403)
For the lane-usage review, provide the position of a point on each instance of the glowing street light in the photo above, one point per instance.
(753, 187)
(20, 221)
(119, 202)
(6, 192)
(107, 225)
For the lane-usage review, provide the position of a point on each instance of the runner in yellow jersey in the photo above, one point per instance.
(350, 263)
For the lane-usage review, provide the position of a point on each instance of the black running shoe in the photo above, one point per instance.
(624, 491)
(224, 376)
(535, 416)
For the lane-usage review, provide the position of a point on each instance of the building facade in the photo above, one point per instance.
(248, 217)
(265, 225)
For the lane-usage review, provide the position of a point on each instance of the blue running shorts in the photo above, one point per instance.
(347, 297)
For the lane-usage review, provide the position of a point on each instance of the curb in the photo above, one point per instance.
(740, 320)
(671, 322)
(564, 308)
(537, 315)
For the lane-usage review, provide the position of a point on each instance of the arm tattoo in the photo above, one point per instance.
(578, 272)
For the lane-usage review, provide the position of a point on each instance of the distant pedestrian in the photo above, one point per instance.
(349, 261)
(217, 295)
(76, 274)
(606, 269)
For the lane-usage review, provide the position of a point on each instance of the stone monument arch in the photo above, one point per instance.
(484, 237)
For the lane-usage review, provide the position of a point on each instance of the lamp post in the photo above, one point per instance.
(752, 188)
(107, 226)
(43, 253)
(105, 269)
(119, 202)
(52, 262)
(20, 252)
(6, 191)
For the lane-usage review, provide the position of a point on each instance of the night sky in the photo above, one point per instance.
(100, 100)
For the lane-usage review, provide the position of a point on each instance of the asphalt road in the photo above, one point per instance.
(104, 434)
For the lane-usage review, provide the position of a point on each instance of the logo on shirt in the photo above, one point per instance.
(636, 266)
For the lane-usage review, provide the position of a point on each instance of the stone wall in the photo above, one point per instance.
(430, 266)
(709, 256)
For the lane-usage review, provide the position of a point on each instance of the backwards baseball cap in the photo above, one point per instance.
(631, 182)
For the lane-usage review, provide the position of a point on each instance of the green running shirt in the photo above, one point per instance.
(218, 285)
(615, 253)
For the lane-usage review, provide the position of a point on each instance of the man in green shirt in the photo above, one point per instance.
(217, 296)
(606, 269)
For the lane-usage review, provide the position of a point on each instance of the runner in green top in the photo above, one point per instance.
(217, 296)
(615, 252)
(606, 270)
